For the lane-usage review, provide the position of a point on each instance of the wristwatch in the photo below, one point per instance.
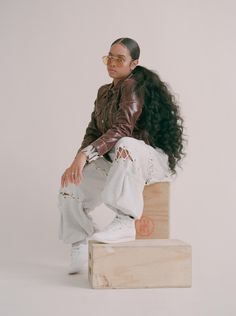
(91, 153)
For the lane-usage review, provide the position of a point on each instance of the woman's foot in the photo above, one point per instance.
(79, 258)
(121, 229)
(79, 255)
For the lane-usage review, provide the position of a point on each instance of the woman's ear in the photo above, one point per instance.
(134, 64)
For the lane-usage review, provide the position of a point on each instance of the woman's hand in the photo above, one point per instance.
(74, 172)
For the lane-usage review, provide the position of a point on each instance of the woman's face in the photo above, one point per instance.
(122, 67)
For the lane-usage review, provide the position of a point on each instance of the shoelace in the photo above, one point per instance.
(118, 220)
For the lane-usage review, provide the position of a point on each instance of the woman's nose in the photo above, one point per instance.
(112, 64)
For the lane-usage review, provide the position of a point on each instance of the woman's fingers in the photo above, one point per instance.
(74, 172)
(79, 178)
(71, 176)
(63, 180)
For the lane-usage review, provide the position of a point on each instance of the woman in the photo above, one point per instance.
(134, 137)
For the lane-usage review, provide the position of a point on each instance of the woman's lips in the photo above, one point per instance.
(111, 70)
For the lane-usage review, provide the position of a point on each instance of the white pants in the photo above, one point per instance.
(118, 184)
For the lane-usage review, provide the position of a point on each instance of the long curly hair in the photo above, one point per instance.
(160, 119)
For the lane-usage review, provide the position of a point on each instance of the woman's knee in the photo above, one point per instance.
(70, 190)
(125, 147)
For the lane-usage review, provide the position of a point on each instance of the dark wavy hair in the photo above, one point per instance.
(160, 120)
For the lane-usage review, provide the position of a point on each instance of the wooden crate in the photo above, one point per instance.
(140, 263)
(154, 222)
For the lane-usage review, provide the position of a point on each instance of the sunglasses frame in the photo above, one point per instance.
(106, 59)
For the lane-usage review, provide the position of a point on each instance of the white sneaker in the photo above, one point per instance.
(79, 259)
(121, 229)
(79, 256)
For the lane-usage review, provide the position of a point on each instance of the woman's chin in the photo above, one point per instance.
(111, 75)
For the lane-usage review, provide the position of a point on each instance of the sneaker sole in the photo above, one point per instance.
(115, 241)
(83, 270)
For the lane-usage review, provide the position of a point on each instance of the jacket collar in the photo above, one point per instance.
(113, 87)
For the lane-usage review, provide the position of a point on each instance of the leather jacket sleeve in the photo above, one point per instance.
(91, 132)
(129, 110)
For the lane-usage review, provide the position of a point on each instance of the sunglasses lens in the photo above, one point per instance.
(105, 60)
(119, 62)
(108, 59)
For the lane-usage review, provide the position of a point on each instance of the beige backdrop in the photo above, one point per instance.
(51, 69)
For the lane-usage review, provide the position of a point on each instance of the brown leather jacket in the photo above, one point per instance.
(115, 113)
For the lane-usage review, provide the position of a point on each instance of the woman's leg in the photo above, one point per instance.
(76, 201)
(134, 164)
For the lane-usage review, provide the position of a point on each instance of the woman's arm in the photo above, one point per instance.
(130, 108)
(91, 153)
(91, 132)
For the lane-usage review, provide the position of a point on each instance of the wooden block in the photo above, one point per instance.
(140, 263)
(154, 222)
